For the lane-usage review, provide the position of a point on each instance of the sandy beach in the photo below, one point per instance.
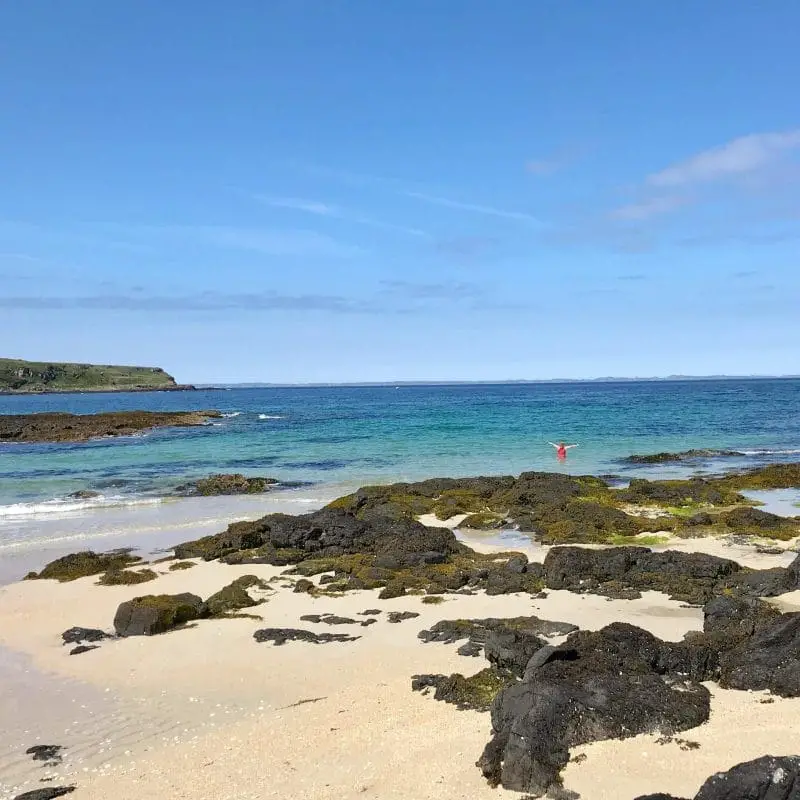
(207, 712)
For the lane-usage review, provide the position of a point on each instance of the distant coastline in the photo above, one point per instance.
(101, 390)
(43, 377)
(512, 382)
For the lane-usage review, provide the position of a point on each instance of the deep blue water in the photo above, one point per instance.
(345, 435)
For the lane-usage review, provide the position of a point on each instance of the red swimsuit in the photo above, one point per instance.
(562, 451)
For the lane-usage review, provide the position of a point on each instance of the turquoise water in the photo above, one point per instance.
(346, 435)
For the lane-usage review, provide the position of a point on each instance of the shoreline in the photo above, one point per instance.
(156, 719)
(178, 388)
(209, 711)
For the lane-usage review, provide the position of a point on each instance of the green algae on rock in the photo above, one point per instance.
(224, 484)
(80, 565)
(476, 693)
(234, 596)
(152, 614)
(126, 577)
(64, 427)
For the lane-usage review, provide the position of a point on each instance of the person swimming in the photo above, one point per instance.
(561, 449)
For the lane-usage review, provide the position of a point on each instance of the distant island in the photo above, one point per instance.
(35, 377)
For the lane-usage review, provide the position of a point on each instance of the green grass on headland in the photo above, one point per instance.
(39, 376)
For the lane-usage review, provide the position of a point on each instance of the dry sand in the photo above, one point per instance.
(206, 713)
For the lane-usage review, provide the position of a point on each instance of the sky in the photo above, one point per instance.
(351, 190)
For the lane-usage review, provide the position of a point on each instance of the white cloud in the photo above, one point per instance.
(738, 157)
(335, 212)
(478, 209)
(651, 207)
(309, 206)
(270, 242)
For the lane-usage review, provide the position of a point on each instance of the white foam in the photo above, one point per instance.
(232, 414)
(269, 416)
(766, 452)
(66, 507)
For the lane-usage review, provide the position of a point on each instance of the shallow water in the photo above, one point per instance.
(329, 440)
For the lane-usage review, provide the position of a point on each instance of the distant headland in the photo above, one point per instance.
(39, 377)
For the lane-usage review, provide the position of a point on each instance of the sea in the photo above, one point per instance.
(321, 442)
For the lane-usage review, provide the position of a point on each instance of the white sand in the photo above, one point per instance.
(206, 713)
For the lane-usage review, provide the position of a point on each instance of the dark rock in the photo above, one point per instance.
(234, 596)
(686, 455)
(304, 586)
(507, 643)
(77, 635)
(50, 753)
(597, 685)
(58, 426)
(331, 532)
(484, 521)
(476, 692)
(400, 616)
(769, 659)
(367, 622)
(759, 582)
(690, 577)
(280, 636)
(83, 494)
(83, 648)
(126, 577)
(81, 565)
(311, 618)
(765, 778)
(370, 612)
(659, 796)
(677, 492)
(151, 614)
(50, 793)
(752, 518)
(228, 484)
(332, 619)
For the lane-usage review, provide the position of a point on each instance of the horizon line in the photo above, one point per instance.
(506, 382)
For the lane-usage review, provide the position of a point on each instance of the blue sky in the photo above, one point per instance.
(342, 190)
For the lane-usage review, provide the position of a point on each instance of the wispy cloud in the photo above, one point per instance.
(335, 212)
(474, 208)
(424, 195)
(635, 277)
(446, 290)
(543, 166)
(650, 207)
(286, 243)
(204, 301)
(389, 297)
(555, 162)
(465, 248)
(739, 157)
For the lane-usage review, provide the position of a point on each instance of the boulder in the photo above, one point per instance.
(507, 643)
(234, 596)
(597, 685)
(765, 778)
(691, 577)
(152, 614)
(235, 483)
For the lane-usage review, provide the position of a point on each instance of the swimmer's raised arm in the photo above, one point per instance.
(567, 446)
(553, 444)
